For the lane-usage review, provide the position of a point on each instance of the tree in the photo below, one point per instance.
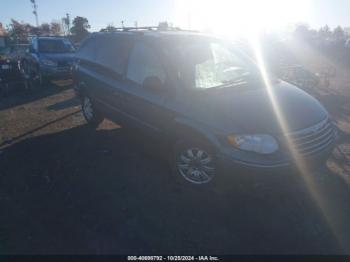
(18, 31)
(55, 28)
(338, 33)
(45, 29)
(109, 28)
(35, 31)
(302, 31)
(2, 30)
(325, 32)
(80, 28)
(163, 25)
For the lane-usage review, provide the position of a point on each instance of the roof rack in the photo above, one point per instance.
(144, 28)
(56, 36)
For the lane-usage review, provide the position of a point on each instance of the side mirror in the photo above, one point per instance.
(31, 50)
(152, 83)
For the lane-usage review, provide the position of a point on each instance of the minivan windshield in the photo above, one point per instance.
(211, 64)
(55, 46)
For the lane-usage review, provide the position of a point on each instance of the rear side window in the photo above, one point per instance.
(113, 53)
(55, 46)
(144, 62)
(88, 50)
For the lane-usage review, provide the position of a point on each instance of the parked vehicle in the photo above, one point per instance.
(48, 58)
(347, 43)
(205, 98)
(18, 51)
(10, 73)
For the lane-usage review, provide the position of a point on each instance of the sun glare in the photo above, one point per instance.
(240, 17)
(248, 19)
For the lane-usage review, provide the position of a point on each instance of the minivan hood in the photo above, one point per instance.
(59, 56)
(247, 110)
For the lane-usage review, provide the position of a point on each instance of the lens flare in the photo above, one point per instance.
(319, 197)
(240, 17)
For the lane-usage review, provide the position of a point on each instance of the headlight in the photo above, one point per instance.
(48, 62)
(262, 144)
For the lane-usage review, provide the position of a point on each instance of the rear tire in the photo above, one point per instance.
(91, 115)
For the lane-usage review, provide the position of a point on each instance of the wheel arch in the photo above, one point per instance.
(81, 89)
(186, 129)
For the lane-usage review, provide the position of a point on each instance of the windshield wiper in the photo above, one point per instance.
(233, 82)
(241, 79)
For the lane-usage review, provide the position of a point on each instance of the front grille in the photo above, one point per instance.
(311, 140)
(63, 65)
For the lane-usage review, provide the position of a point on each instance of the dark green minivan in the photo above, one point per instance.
(205, 98)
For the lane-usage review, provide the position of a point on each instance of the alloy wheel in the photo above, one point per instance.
(196, 166)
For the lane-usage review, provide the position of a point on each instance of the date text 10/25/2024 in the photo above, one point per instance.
(173, 258)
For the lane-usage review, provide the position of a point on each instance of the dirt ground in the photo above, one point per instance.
(67, 189)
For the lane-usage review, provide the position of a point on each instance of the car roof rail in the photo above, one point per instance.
(144, 28)
(53, 36)
(127, 29)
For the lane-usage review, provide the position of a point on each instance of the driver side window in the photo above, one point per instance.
(144, 62)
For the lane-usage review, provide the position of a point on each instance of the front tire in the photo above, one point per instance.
(91, 115)
(27, 76)
(43, 81)
(194, 163)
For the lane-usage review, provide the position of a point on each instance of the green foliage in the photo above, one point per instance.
(109, 28)
(163, 25)
(80, 28)
(302, 31)
(338, 33)
(19, 32)
(45, 29)
(325, 32)
(3, 31)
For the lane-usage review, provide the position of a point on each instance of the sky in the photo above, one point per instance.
(235, 16)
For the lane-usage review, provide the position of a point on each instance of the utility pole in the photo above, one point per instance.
(68, 22)
(35, 12)
(122, 22)
(63, 25)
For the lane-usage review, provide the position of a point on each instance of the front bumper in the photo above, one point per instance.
(56, 73)
(9, 72)
(230, 164)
